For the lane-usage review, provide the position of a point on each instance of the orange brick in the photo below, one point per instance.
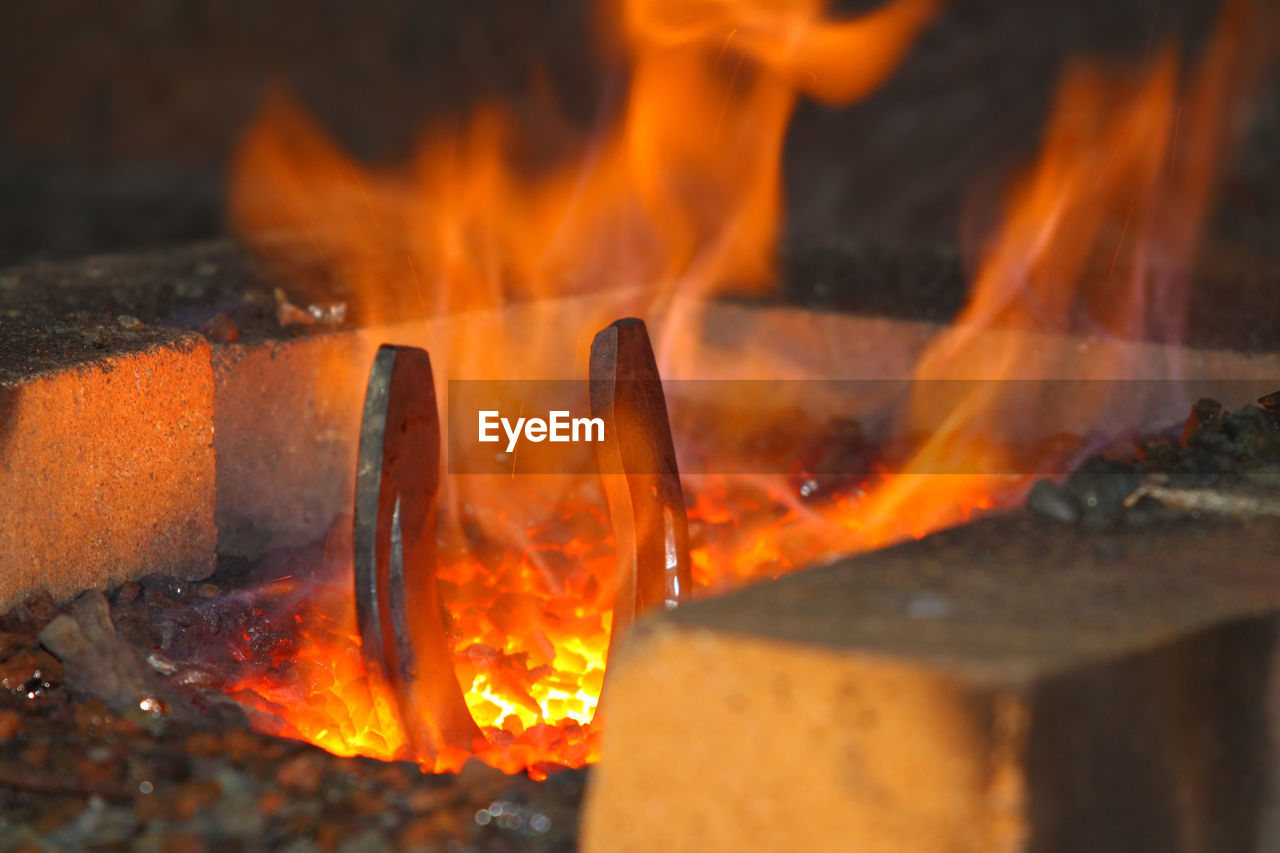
(1008, 686)
(287, 415)
(107, 467)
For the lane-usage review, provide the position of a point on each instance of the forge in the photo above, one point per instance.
(992, 681)
(655, 473)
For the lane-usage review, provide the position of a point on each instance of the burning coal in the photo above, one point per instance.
(679, 199)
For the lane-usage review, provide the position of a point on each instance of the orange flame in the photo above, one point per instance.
(681, 198)
(683, 190)
(1098, 239)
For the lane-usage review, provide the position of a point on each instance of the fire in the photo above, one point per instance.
(680, 196)
(1097, 239)
(678, 199)
(681, 193)
(310, 700)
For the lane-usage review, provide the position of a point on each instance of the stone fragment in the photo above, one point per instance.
(102, 664)
(1048, 499)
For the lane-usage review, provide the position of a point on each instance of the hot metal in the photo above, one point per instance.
(637, 461)
(398, 605)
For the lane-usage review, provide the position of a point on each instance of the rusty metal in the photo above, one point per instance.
(398, 603)
(637, 462)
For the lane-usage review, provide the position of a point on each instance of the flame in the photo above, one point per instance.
(682, 192)
(678, 198)
(1097, 239)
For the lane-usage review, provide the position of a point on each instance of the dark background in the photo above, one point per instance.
(118, 117)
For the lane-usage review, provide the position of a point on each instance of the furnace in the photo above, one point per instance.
(686, 469)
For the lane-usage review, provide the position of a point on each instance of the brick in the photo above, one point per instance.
(287, 418)
(285, 400)
(1006, 686)
(107, 466)
(287, 410)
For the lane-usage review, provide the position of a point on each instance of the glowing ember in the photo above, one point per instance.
(530, 629)
(681, 198)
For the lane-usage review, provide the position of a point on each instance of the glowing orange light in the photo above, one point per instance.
(678, 199)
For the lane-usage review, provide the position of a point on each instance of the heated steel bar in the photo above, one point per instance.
(397, 600)
(637, 462)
